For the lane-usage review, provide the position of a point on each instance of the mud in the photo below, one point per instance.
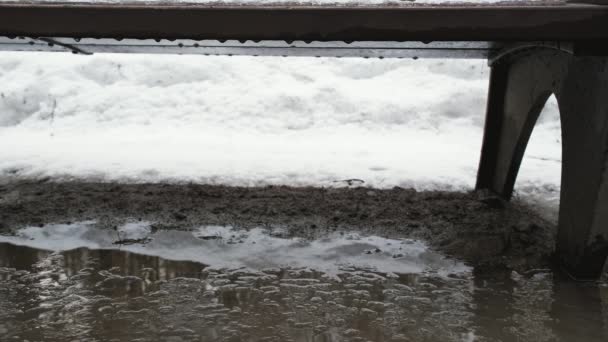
(485, 232)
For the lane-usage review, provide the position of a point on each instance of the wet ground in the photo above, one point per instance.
(149, 262)
(474, 227)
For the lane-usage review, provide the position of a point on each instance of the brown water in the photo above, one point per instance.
(114, 295)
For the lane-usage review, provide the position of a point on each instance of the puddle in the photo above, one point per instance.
(73, 283)
(255, 248)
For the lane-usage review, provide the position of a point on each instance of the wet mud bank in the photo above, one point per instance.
(485, 232)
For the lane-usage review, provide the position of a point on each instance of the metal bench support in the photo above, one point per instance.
(520, 84)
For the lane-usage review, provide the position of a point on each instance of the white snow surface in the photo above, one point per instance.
(297, 2)
(254, 121)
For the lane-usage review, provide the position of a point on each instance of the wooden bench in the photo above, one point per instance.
(535, 49)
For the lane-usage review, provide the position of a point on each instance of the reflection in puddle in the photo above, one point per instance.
(255, 248)
(343, 294)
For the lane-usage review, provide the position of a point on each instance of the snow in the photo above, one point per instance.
(255, 248)
(298, 2)
(255, 121)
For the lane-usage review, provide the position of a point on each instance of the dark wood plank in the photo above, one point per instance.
(567, 22)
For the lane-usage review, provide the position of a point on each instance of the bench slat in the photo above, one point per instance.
(375, 23)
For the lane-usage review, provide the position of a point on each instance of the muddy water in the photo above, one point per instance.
(347, 288)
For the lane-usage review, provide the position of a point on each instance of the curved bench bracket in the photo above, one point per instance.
(521, 80)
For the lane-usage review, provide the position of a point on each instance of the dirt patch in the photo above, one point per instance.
(483, 230)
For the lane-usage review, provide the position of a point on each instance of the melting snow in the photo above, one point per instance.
(254, 121)
(257, 248)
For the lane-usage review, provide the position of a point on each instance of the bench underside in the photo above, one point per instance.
(364, 49)
(344, 30)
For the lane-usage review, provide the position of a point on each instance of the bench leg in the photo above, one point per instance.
(582, 240)
(518, 91)
(519, 88)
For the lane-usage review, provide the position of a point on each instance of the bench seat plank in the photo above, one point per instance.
(500, 22)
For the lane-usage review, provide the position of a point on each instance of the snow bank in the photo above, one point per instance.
(255, 121)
